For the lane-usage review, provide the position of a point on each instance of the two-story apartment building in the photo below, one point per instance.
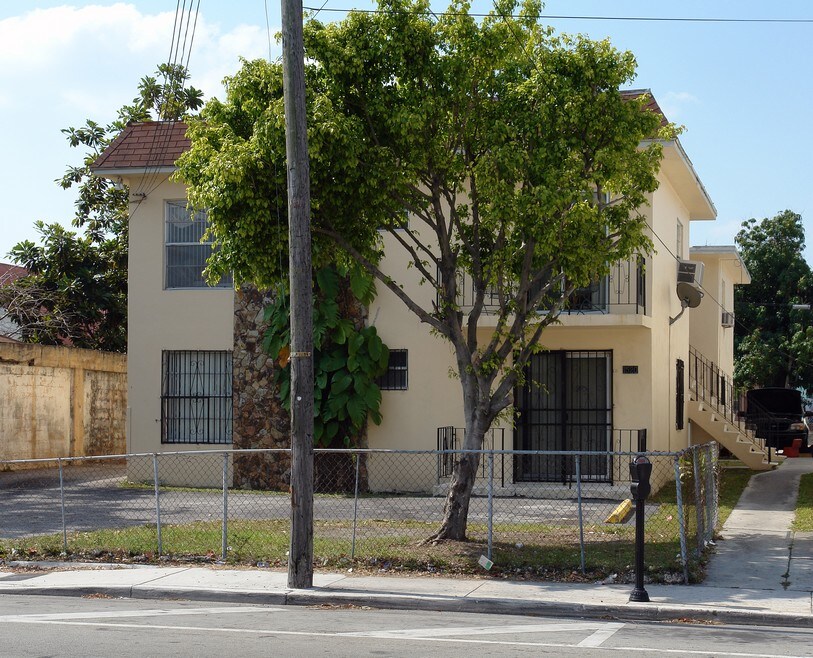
(613, 376)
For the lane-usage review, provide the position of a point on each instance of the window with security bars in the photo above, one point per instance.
(395, 379)
(196, 397)
(186, 255)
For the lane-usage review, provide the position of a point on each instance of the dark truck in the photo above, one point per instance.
(775, 415)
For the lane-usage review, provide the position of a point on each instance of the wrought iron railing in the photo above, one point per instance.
(622, 291)
(450, 440)
(709, 384)
(598, 466)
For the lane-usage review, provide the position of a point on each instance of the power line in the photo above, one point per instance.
(561, 17)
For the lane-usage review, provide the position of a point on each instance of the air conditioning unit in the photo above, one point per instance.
(690, 271)
(728, 320)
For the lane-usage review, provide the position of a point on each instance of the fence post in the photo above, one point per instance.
(684, 553)
(157, 502)
(62, 504)
(490, 502)
(225, 538)
(698, 500)
(355, 508)
(581, 516)
(715, 499)
(707, 493)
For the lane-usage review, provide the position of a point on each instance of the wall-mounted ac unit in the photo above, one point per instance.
(728, 319)
(690, 271)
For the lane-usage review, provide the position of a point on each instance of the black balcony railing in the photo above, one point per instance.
(622, 291)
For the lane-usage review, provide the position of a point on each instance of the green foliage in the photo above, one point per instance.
(774, 341)
(803, 521)
(346, 360)
(76, 289)
(484, 148)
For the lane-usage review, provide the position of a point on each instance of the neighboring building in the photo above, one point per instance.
(9, 331)
(617, 371)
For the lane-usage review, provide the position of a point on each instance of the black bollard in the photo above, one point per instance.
(640, 472)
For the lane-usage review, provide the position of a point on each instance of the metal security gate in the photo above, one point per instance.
(565, 404)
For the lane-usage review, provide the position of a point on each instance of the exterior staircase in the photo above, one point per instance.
(714, 406)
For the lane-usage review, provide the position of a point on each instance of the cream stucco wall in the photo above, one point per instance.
(723, 270)
(160, 319)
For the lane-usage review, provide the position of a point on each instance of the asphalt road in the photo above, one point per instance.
(55, 626)
(30, 504)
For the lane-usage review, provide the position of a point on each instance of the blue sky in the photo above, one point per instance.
(742, 90)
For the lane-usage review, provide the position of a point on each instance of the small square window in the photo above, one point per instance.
(395, 379)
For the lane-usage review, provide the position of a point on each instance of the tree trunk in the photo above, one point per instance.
(456, 510)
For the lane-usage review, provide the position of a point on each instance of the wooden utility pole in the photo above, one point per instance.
(300, 557)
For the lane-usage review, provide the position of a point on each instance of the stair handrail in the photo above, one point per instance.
(714, 387)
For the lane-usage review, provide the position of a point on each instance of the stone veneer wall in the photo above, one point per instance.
(259, 419)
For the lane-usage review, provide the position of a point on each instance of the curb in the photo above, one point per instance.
(628, 612)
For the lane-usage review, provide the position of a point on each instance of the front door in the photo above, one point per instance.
(565, 404)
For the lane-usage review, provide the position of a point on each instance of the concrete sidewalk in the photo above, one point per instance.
(762, 574)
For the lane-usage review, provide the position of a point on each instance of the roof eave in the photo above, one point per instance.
(102, 172)
(678, 167)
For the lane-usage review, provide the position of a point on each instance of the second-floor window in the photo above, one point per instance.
(679, 240)
(185, 255)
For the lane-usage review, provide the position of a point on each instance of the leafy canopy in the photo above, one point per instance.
(774, 341)
(347, 359)
(490, 151)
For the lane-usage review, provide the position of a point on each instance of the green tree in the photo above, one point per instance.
(76, 289)
(483, 148)
(774, 341)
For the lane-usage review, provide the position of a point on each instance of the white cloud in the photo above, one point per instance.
(673, 103)
(98, 48)
(41, 38)
(218, 55)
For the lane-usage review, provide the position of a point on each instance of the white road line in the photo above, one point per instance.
(600, 636)
(124, 614)
(554, 645)
(440, 631)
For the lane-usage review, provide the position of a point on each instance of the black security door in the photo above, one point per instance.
(565, 404)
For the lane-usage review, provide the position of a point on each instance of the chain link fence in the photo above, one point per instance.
(377, 506)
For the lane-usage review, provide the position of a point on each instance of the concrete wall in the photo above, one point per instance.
(61, 402)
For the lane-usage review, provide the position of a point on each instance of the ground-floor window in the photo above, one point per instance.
(196, 396)
(396, 377)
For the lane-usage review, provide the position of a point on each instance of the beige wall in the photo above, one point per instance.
(61, 402)
(723, 270)
(162, 319)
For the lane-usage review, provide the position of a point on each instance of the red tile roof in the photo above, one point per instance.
(144, 145)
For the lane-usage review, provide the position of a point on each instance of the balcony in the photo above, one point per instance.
(621, 292)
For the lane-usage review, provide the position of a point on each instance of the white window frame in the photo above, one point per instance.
(195, 224)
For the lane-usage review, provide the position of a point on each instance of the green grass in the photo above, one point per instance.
(520, 550)
(803, 522)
